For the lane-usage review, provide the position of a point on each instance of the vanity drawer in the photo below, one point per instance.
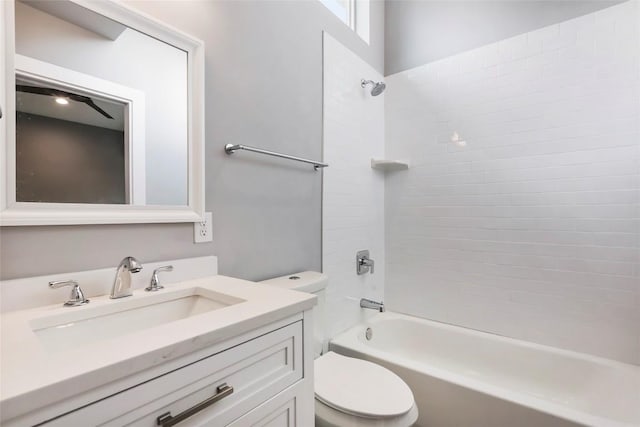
(256, 370)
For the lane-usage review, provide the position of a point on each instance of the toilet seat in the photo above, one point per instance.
(360, 388)
(329, 417)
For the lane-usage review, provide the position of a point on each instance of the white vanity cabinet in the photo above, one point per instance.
(227, 352)
(255, 383)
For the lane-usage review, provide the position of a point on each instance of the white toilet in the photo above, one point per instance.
(350, 392)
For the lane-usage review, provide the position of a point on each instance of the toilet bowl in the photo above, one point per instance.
(348, 391)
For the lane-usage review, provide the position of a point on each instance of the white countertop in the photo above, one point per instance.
(33, 376)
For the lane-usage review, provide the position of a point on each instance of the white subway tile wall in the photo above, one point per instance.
(527, 225)
(353, 193)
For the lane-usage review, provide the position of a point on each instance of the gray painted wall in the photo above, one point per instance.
(263, 88)
(60, 161)
(421, 31)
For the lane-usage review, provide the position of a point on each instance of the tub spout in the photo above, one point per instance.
(373, 305)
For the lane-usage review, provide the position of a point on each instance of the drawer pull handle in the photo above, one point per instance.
(166, 420)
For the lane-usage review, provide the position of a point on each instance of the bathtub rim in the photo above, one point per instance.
(350, 341)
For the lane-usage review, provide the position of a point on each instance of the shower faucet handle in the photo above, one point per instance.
(364, 264)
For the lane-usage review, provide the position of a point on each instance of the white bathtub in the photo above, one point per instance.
(465, 378)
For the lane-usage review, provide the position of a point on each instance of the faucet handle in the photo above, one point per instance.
(364, 264)
(155, 281)
(77, 296)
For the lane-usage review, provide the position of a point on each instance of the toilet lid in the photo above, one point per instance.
(360, 387)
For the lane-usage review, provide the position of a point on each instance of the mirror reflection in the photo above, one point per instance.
(70, 147)
(77, 141)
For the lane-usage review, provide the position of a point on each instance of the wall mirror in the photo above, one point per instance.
(103, 116)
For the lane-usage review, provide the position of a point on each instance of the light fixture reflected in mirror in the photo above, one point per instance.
(62, 101)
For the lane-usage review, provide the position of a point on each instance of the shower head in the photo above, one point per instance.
(377, 89)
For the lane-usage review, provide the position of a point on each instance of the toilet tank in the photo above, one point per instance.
(314, 283)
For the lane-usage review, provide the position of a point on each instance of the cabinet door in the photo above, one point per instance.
(257, 370)
(281, 417)
(277, 412)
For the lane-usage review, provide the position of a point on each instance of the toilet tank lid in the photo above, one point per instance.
(305, 281)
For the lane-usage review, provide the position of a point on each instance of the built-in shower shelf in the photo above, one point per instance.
(389, 165)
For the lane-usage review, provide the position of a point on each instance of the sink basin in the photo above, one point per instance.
(108, 319)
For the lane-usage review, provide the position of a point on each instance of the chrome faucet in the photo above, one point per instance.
(364, 264)
(122, 283)
(374, 305)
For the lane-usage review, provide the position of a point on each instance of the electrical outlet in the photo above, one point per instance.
(202, 229)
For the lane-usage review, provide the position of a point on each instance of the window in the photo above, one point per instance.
(341, 8)
(354, 13)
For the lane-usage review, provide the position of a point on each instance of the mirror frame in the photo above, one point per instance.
(14, 213)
